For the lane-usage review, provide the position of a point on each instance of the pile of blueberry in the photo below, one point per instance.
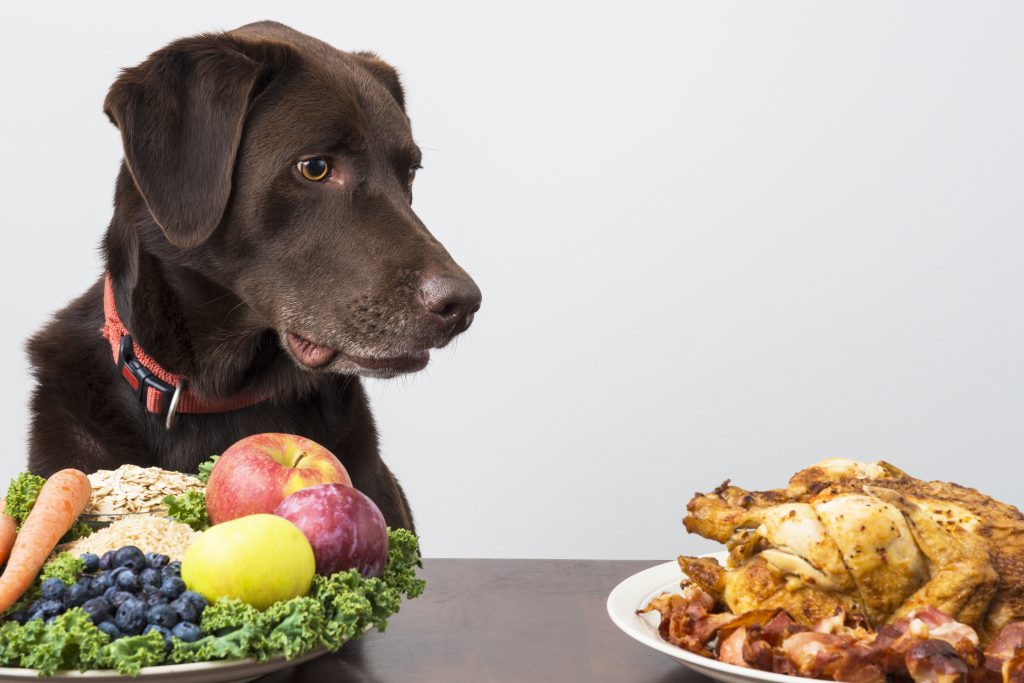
(126, 593)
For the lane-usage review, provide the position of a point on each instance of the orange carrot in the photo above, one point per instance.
(8, 532)
(60, 502)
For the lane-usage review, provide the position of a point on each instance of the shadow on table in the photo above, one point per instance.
(682, 675)
(345, 666)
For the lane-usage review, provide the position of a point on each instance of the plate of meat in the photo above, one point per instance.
(855, 572)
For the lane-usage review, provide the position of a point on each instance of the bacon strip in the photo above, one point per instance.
(926, 646)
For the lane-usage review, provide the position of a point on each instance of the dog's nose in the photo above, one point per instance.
(452, 299)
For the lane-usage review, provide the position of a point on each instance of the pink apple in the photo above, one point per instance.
(260, 471)
(345, 528)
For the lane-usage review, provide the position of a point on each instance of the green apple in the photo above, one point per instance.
(258, 559)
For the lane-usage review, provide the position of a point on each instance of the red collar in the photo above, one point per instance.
(163, 392)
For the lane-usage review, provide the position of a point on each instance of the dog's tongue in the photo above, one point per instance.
(309, 354)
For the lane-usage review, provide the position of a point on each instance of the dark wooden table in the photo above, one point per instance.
(486, 621)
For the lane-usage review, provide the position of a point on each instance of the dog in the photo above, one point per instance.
(262, 257)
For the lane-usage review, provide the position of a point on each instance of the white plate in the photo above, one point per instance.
(234, 671)
(635, 592)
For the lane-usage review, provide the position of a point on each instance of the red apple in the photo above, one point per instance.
(260, 471)
(344, 527)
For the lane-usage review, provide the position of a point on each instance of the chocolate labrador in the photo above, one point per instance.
(262, 257)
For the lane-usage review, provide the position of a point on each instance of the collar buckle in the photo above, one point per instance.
(138, 376)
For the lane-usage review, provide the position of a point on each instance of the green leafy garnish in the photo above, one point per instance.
(402, 563)
(206, 467)
(130, 654)
(188, 508)
(65, 567)
(21, 496)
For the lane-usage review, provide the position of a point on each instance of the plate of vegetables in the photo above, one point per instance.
(185, 594)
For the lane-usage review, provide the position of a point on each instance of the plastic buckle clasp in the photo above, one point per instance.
(138, 376)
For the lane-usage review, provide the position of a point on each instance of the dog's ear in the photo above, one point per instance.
(181, 114)
(383, 72)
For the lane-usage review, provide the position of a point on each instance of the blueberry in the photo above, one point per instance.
(196, 599)
(91, 562)
(163, 631)
(121, 597)
(173, 567)
(52, 607)
(52, 589)
(35, 606)
(187, 631)
(76, 595)
(109, 593)
(100, 583)
(128, 581)
(156, 560)
(107, 561)
(162, 615)
(111, 629)
(184, 608)
(131, 617)
(154, 599)
(131, 557)
(172, 587)
(38, 614)
(18, 616)
(98, 609)
(150, 577)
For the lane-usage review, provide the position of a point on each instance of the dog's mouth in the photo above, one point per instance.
(313, 356)
(309, 353)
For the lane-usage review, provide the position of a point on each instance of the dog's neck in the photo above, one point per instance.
(185, 321)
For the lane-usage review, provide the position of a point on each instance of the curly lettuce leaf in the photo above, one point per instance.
(206, 467)
(235, 629)
(65, 567)
(294, 626)
(188, 508)
(402, 563)
(71, 641)
(131, 653)
(16, 641)
(246, 641)
(21, 496)
(78, 530)
(228, 614)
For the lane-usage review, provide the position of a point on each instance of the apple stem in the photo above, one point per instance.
(299, 459)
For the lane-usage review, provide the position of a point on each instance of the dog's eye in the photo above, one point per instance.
(412, 174)
(315, 169)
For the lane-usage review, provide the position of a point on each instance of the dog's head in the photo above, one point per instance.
(285, 168)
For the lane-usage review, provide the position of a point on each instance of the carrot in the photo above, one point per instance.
(8, 532)
(60, 502)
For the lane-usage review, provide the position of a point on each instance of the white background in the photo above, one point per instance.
(714, 239)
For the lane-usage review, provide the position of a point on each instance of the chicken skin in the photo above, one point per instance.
(868, 538)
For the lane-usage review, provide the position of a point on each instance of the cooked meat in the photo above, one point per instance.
(866, 537)
(925, 646)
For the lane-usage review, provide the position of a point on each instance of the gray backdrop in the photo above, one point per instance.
(715, 240)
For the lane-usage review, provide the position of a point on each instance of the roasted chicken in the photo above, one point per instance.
(867, 538)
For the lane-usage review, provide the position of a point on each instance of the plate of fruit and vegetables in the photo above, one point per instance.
(275, 561)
